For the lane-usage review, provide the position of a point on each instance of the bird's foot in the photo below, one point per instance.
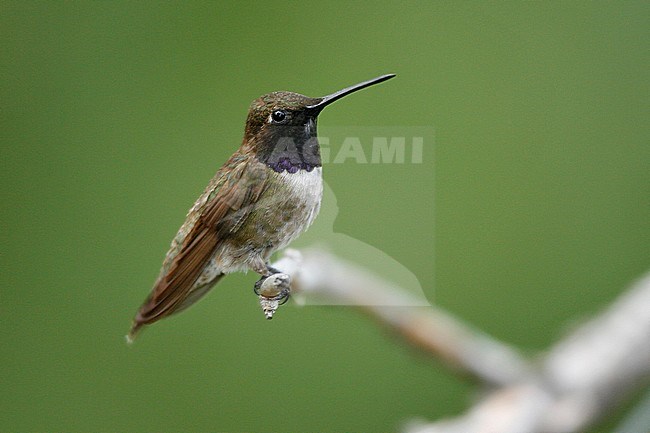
(273, 290)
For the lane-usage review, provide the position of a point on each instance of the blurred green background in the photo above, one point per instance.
(529, 213)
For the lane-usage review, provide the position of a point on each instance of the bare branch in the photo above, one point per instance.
(319, 274)
(581, 378)
(596, 366)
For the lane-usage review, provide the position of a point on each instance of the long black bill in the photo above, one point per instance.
(326, 100)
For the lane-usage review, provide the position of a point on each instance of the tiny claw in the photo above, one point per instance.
(284, 296)
(258, 285)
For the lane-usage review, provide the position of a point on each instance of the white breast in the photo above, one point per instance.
(306, 186)
(303, 190)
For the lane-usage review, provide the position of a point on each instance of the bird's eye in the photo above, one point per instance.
(278, 116)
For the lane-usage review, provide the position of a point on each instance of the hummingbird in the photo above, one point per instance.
(260, 200)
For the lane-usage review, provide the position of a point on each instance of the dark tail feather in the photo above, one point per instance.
(133, 333)
(141, 320)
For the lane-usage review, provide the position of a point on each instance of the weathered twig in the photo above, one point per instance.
(318, 274)
(582, 377)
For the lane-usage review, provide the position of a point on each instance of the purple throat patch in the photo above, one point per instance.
(285, 164)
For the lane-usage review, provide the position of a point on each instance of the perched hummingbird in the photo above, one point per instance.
(260, 200)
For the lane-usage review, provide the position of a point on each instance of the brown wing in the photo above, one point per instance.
(241, 184)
